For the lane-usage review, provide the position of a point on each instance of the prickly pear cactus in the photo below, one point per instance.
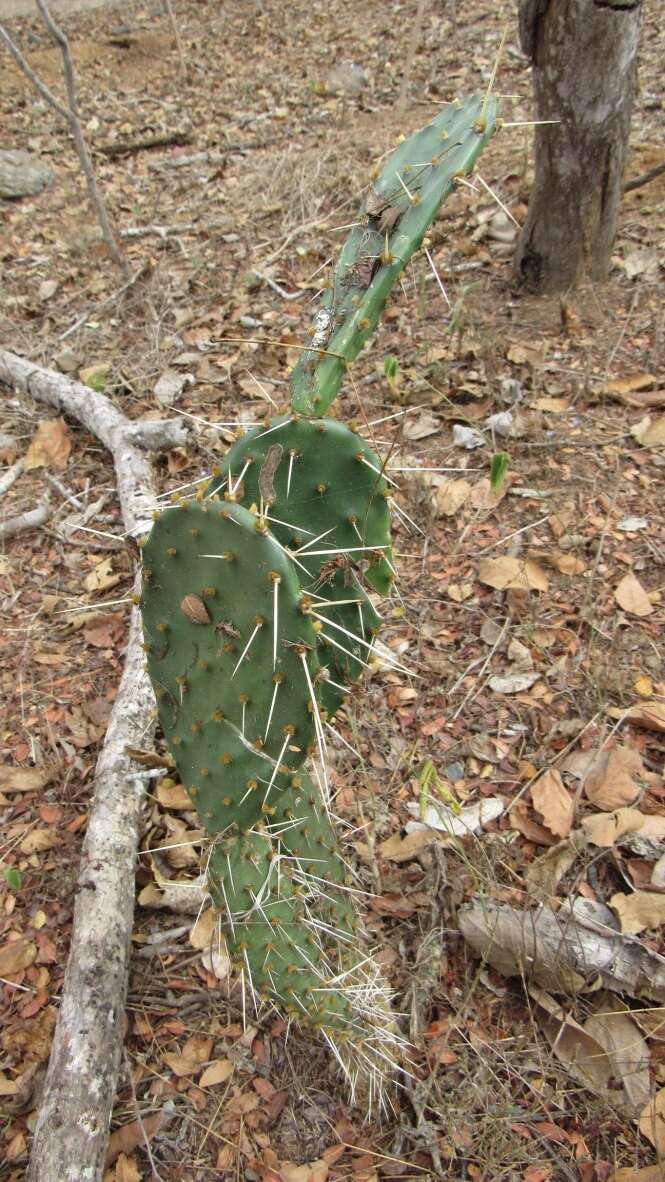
(231, 656)
(258, 619)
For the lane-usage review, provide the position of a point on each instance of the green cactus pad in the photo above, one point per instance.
(399, 210)
(326, 481)
(200, 614)
(349, 623)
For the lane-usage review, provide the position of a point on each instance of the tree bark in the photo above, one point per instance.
(584, 56)
(72, 1129)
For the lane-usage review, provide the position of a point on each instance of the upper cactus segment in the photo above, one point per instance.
(232, 658)
(401, 205)
(323, 492)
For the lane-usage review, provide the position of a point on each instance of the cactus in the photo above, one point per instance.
(226, 641)
(257, 622)
(401, 205)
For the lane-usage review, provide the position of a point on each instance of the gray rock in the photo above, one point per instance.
(22, 174)
(348, 78)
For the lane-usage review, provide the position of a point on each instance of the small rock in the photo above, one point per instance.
(22, 174)
(348, 78)
(169, 386)
(66, 361)
(467, 437)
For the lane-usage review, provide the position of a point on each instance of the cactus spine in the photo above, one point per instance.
(258, 620)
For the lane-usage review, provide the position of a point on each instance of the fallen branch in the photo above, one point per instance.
(72, 1129)
(645, 178)
(127, 147)
(24, 521)
(562, 951)
(11, 476)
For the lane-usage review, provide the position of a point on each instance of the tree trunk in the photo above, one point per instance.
(584, 55)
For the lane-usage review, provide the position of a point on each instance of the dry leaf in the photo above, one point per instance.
(173, 796)
(313, 1171)
(650, 433)
(24, 779)
(195, 1052)
(216, 1073)
(647, 714)
(604, 829)
(568, 564)
(126, 1170)
(636, 381)
(528, 353)
(512, 682)
(554, 803)
(638, 911)
(652, 1121)
(609, 783)
(468, 820)
(628, 1052)
(451, 495)
(631, 596)
(637, 1174)
(16, 956)
(555, 406)
(50, 447)
(580, 1053)
(38, 840)
(546, 871)
(512, 573)
(100, 577)
(405, 849)
(128, 1137)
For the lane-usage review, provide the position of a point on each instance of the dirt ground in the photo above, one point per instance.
(229, 189)
(12, 8)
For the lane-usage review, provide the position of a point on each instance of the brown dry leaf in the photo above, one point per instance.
(631, 596)
(483, 496)
(546, 871)
(172, 795)
(216, 1073)
(38, 840)
(313, 1171)
(568, 564)
(603, 829)
(50, 447)
(648, 432)
(25, 779)
(205, 927)
(628, 1052)
(556, 406)
(195, 1052)
(101, 577)
(451, 495)
(404, 849)
(647, 714)
(639, 911)
(580, 1053)
(128, 1137)
(126, 1170)
(609, 784)
(15, 956)
(652, 1121)
(554, 803)
(638, 1174)
(636, 381)
(512, 573)
(528, 353)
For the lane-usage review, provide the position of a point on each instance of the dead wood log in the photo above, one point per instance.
(563, 951)
(72, 1129)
